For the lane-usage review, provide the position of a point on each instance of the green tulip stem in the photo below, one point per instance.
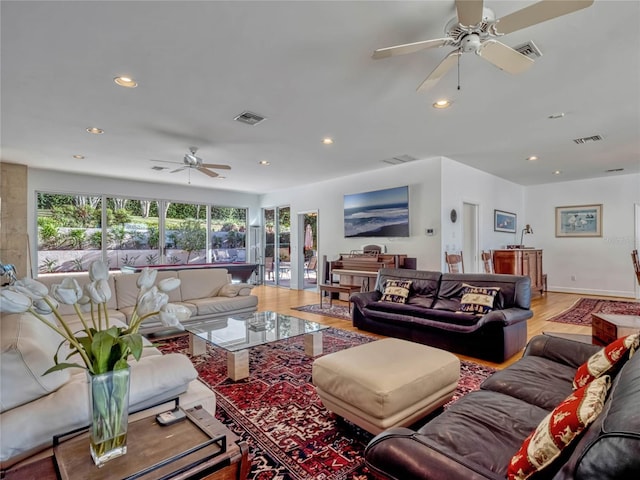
(84, 323)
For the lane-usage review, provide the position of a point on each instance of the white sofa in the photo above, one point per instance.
(34, 408)
(207, 293)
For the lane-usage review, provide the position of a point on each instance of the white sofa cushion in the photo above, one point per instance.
(220, 305)
(202, 283)
(126, 289)
(235, 289)
(28, 348)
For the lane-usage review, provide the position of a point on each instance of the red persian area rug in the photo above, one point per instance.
(277, 411)
(336, 311)
(580, 312)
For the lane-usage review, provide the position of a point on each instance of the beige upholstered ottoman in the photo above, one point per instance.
(386, 383)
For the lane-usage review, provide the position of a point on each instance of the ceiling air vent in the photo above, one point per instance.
(159, 169)
(593, 138)
(614, 170)
(399, 159)
(249, 118)
(529, 49)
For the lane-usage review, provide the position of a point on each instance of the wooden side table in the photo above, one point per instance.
(149, 444)
(337, 288)
(607, 327)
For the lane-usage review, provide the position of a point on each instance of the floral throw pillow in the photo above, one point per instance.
(478, 300)
(604, 360)
(396, 291)
(558, 429)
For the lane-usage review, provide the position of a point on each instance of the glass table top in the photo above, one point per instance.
(239, 332)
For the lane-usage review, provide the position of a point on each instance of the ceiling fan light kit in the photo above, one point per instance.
(475, 30)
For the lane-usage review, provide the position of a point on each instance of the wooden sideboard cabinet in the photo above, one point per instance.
(521, 261)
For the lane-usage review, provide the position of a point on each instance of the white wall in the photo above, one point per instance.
(423, 179)
(601, 265)
(436, 185)
(460, 184)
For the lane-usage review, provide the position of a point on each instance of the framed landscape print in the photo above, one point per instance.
(579, 221)
(504, 221)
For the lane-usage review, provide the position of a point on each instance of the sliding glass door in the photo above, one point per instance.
(277, 246)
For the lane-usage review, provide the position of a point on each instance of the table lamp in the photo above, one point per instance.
(528, 230)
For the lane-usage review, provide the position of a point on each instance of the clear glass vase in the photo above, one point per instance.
(109, 414)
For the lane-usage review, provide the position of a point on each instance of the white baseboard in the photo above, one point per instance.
(586, 291)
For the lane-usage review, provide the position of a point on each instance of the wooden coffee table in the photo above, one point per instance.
(148, 444)
(607, 327)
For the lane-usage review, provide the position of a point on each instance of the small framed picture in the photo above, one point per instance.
(504, 221)
(579, 221)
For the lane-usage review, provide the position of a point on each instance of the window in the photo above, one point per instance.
(71, 234)
(228, 234)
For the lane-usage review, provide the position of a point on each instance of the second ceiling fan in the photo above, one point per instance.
(475, 30)
(191, 161)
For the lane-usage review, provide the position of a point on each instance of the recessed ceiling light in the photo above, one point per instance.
(557, 172)
(79, 157)
(556, 115)
(444, 103)
(532, 158)
(327, 141)
(95, 131)
(126, 82)
(221, 177)
(264, 163)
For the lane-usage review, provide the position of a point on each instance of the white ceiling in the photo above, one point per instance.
(307, 67)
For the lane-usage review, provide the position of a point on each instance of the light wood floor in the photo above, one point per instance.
(544, 307)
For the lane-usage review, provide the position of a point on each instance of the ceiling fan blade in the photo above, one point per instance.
(469, 11)
(215, 165)
(539, 12)
(440, 71)
(410, 48)
(177, 170)
(504, 57)
(207, 172)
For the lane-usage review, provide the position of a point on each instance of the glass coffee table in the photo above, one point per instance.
(236, 334)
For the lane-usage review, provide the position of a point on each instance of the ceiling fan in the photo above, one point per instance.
(475, 30)
(191, 161)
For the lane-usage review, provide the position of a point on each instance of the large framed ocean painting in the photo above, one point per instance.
(380, 213)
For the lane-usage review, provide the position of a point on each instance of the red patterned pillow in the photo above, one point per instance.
(558, 429)
(604, 360)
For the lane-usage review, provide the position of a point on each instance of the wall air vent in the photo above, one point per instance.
(593, 138)
(529, 49)
(159, 169)
(249, 118)
(399, 159)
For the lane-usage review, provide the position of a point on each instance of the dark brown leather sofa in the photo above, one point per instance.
(431, 315)
(476, 437)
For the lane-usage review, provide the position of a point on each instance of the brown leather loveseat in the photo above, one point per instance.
(432, 316)
(478, 435)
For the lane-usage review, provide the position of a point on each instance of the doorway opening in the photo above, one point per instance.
(308, 245)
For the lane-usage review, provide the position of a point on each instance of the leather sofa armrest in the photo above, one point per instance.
(508, 316)
(561, 350)
(362, 299)
(403, 454)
